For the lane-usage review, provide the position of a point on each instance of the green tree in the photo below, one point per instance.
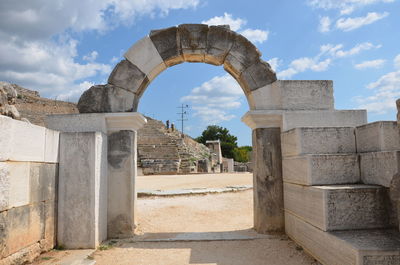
(214, 132)
(242, 153)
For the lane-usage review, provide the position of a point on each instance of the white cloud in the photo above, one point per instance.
(255, 35)
(274, 63)
(324, 24)
(226, 19)
(348, 24)
(386, 91)
(397, 62)
(370, 64)
(91, 57)
(321, 62)
(236, 24)
(36, 51)
(345, 6)
(213, 99)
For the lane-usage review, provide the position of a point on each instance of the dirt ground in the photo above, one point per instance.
(175, 182)
(207, 229)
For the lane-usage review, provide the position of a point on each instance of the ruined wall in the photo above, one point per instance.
(163, 151)
(28, 185)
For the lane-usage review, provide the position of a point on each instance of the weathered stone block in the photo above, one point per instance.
(50, 220)
(242, 55)
(82, 206)
(357, 247)
(294, 95)
(107, 98)
(338, 207)
(16, 185)
(145, 56)
(379, 167)
(168, 45)
(128, 76)
(219, 42)
(323, 118)
(321, 169)
(43, 179)
(87, 122)
(52, 140)
(316, 140)
(21, 141)
(378, 136)
(21, 227)
(193, 39)
(257, 75)
(121, 183)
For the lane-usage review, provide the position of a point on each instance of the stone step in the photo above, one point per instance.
(318, 140)
(323, 118)
(321, 169)
(354, 247)
(379, 167)
(338, 207)
(378, 136)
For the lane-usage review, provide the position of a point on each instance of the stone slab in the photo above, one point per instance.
(15, 191)
(86, 122)
(338, 207)
(145, 56)
(21, 227)
(294, 95)
(378, 136)
(379, 167)
(43, 179)
(21, 141)
(323, 118)
(358, 247)
(52, 140)
(82, 212)
(321, 169)
(314, 140)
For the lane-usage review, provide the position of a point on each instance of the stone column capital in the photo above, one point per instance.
(132, 121)
(257, 119)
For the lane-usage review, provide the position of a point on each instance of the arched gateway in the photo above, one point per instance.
(98, 146)
(198, 43)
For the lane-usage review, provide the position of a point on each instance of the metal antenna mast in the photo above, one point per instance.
(183, 113)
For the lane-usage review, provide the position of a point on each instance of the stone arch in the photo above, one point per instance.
(216, 45)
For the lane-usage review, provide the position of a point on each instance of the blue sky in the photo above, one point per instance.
(60, 48)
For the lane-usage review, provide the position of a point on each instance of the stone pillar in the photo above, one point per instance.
(122, 172)
(267, 172)
(82, 207)
(395, 183)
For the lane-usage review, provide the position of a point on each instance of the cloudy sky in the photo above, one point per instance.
(60, 48)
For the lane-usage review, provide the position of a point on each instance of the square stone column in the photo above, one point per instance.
(122, 172)
(267, 171)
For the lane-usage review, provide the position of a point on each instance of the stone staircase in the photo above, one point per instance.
(336, 180)
(162, 151)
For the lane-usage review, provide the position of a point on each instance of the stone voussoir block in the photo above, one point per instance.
(146, 57)
(242, 55)
(128, 76)
(321, 169)
(257, 75)
(107, 98)
(339, 207)
(318, 140)
(193, 40)
(378, 136)
(379, 167)
(219, 42)
(168, 45)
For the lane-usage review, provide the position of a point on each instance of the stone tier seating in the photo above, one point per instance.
(162, 151)
(336, 180)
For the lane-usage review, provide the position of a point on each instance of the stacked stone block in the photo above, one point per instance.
(333, 207)
(28, 181)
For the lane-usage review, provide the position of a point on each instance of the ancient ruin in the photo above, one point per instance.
(321, 175)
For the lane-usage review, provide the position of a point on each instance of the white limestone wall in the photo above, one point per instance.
(28, 196)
